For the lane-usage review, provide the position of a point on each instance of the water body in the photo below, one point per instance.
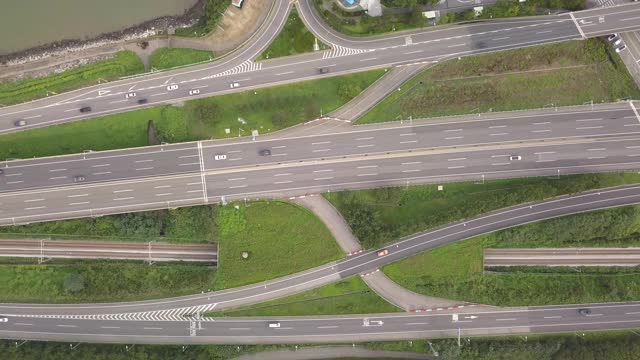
(28, 23)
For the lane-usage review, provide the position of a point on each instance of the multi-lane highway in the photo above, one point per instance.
(562, 257)
(173, 320)
(547, 142)
(347, 55)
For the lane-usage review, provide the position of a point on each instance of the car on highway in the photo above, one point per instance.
(515, 157)
(620, 48)
(274, 324)
(194, 91)
(79, 178)
(4, 319)
(584, 312)
(234, 85)
(172, 87)
(85, 109)
(264, 152)
(220, 157)
(617, 42)
(142, 101)
(20, 122)
(612, 37)
(323, 70)
(1, 171)
(130, 95)
(383, 252)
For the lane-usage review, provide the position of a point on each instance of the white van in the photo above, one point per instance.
(274, 324)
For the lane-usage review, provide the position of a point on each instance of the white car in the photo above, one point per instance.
(130, 95)
(234, 85)
(515, 157)
(612, 37)
(274, 324)
(618, 49)
(220, 157)
(617, 42)
(172, 87)
(4, 319)
(194, 92)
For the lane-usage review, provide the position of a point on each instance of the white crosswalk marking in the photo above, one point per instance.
(605, 3)
(339, 51)
(177, 314)
(245, 67)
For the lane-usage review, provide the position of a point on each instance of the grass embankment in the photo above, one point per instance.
(212, 13)
(568, 73)
(124, 63)
(265, 110)
(166, 58)
(294, 39)
(505, 8)
(280, 238)
(350, 296)
(455, 271)
(379, 216)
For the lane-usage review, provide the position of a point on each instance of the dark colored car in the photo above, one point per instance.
(584, 312)
(142, 101)
(79, 178)
(85, 109)
(1, 171)
(20, 123)
(264, 152)
(324, 70)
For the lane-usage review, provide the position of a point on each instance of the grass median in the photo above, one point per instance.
(294, 39)
(350, 296)
(265, 110)
(166, 58)
(455, 271)
(122, 64)
(379, 216)
(568, 73)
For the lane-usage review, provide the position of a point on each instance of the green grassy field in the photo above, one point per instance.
(455, 271)
(294, 38)
(104, 281)
(569, 73)
(281, 238)
(194, 225)
(350, 296)
(165, 58)
(383, 215)
(264, 110)
(124, 63)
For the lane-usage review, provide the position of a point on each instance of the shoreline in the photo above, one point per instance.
(140, 31)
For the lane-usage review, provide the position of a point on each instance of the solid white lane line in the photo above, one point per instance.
(633, 313)
(411, 163)
(368, 59)
(146, 168)
(32, 117)
(285, 73)
(102, 173)
(35, 208)
(164, 194)
(408, 134)
(364, 138)
(319, 171)
(101, 165)
(76, 109)
(18, 174)
(189, 164)
(321, 150)
(544, 152)
(142, 161)
(418, 323)
(457, 159)
(413, 52)
(502, 38)
(589, 127)
(124, 198)
(595, 157)
(362, 146)
(282, 182)
(55, 170)
(237, 187)
(498, 164)
(328, 327)
(277, 147)
(194, 191)
(14, 182)
(321, 142)
(79, 195)
(188, 156)
(454, 138)
(236, 179)
(553, 317)
(499, 134)
(285, 174)
(152, 328)
(110, 327)
(408, 171)
(507, 319)
(33, 200)
(586, 120)
(367, 166)
(323, 178)
(23, 324)
(57, 177)
(408, 142)
(79, 203)
(542, 123)
(67, 326)
(121, 191)
(453, 130)
(540, 131)
(543, 32)
(456, 45)
(597, 149)
(234, 151)
(455, 167)
(370, 174)
(285, 154)
(162, 186)
(497, 126)
(194, 183)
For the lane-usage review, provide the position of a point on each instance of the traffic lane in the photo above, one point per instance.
(100, 167)
(602, 21)
(101, 199)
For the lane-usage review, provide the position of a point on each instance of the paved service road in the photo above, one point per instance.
(172, 320)
(562, 257)
(80, 249)
(347, 55)
(547, 142)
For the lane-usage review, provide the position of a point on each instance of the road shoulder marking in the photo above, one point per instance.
(578, 26)
(202, 173)
(635, 111)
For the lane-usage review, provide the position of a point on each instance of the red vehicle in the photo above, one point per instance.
(383, 252)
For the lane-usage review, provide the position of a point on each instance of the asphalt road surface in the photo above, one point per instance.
(562, 257)
(78, 249)
(347, 56)
(177, 320)
(537, 143)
